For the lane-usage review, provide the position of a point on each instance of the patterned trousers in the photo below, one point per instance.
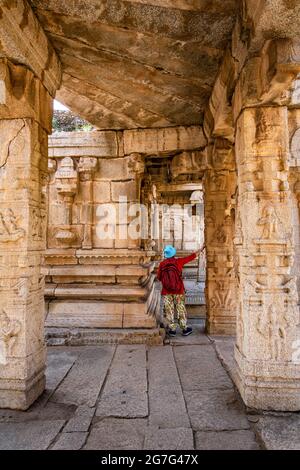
(175, 303)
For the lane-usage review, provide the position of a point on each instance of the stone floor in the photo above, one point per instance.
(177, 396)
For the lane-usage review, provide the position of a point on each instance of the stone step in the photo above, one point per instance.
(94, 336)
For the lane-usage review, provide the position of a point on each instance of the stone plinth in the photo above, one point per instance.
(107, 289)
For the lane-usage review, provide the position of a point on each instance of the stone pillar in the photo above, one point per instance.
(66, 179)
(268, 373)
(25, 120)
(219, 199)
(86, 169)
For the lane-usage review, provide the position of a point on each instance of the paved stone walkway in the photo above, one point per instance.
(177, 396)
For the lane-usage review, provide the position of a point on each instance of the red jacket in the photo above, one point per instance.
(180, 262)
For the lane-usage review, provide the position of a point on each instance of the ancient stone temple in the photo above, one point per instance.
(195, 104)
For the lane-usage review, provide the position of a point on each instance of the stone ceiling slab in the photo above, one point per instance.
(138, 63)
(103, 107)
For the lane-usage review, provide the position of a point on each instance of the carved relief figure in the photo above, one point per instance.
(38, 224)
(270, 223)
(262, 128)
(295, 145)
(21, 287)
(238, 235)
(9, 230)
(273, 326)
(222, 296)
(218, 182)
(9, 330)
(220, 235)
(223, 154)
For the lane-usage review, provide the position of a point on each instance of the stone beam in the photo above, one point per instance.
(164, 141)
(192, 5)
(23, 41)
(86, 144)
(103, 109)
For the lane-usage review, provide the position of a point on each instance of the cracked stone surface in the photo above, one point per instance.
(33, 435)
(115, 434)
(82, 385)
(178, 397)
(280, 432)
(125, 392)
(229, 440)
(70, 441)
(169, 439)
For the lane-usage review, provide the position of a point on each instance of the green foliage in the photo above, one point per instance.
(66, 121)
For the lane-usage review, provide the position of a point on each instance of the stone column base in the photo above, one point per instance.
(226, 326)
(21, 394)
(264, 385)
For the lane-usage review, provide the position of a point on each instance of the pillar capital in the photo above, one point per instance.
(23, 96)
(23, 41)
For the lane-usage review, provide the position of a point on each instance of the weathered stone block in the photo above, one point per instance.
(76, 313)
(101, 192)
(128, 189)
(153, 141)
(113, 169)
(136, 316)
(90, 144)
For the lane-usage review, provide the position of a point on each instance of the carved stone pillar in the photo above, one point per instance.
(219, 197)
(86, 169)
(268, 373)
(25, 120)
